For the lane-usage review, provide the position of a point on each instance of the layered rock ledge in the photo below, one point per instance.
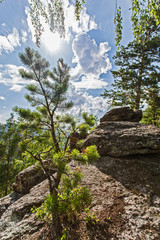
(124, 138)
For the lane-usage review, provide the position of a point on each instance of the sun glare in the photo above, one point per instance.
(51, 41)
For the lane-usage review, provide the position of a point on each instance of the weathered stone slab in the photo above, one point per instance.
(30, 177)
(122, 114)
(17, 220)
(124, 138)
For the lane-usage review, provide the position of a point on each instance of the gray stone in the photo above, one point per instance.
(125, 190)
(4, 203)
(122, 114)
(125, 193)
(124, 138)
(30, 177)
(17, 221)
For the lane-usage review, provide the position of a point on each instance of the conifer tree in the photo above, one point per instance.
(151, 114)
(138, 70)
(47, 92)
(47, 132)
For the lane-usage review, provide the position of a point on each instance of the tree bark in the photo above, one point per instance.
(139, 84)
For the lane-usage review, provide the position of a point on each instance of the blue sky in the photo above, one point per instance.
(88, 49)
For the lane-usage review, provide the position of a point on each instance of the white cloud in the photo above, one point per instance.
(51, 41)
(83, 102)
(3, 24)
(9, 42)
(2, 98)
(3, 116)
(24, 36)
(86, 23)
(90, 81)
(91, 61)
(10, 77)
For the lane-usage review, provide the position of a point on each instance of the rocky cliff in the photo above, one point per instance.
(125, 190)
(119, 134)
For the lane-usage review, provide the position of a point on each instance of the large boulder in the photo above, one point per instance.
(30, 177)
(4, 203)
(124, 138)
(122, 114)
(17, 221)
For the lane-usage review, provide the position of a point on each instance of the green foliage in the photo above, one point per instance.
(47, 93)
(78, 8)
(10, 162)
(72, 199)
(151, 114)
(138, 71)
(65, 233)
(53, 13)
(92, 154)
(88, 155)
(142, 12)
(87, 126)
(91, 219)
(67, 120)
(70, 127)
(154, 7)
(118, 24)
(83, 129)
(91, 120)
(138, 62)
(80, 144)
(47, 130)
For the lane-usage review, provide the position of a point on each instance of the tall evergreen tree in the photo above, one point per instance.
(138, 69)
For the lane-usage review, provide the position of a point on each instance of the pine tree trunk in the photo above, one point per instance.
(56, 228)
(54, 137)
(139, 84)
(154, 119)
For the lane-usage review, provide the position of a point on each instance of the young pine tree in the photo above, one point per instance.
(47, 131)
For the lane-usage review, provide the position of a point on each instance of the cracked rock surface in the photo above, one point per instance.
(126, 200)
(124, 138)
